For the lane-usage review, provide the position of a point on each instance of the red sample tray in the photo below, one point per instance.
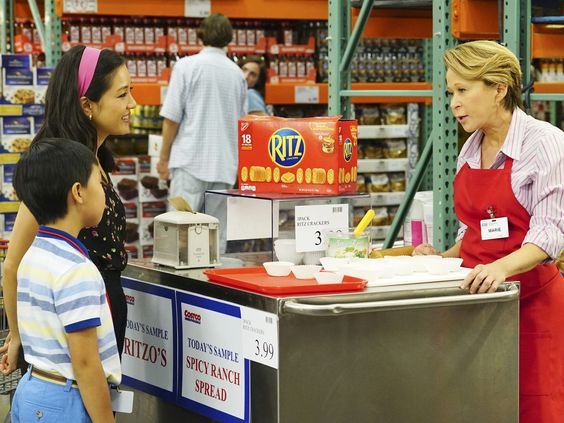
(256, 279)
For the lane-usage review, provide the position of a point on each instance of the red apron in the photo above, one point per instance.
(541, 334)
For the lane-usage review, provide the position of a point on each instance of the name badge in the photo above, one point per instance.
(494, 228)
(122, 401)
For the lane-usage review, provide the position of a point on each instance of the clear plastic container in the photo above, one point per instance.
(347, 245)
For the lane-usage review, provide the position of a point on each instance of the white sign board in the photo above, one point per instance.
(197, 8)
(250, 218)
(80, 6)
(149, 359)
(260, 336)
(214, 373)
(306, 94)
(313, 222)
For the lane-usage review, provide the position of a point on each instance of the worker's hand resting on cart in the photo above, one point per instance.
(487, 277)
(483, 278)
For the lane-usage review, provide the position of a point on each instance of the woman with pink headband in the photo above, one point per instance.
(88, 99)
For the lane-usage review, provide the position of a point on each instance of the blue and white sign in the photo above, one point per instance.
(214, 377)
(149, 361)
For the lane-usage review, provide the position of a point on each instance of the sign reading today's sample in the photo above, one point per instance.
(207, 342)
(148, 360)
(214, 379)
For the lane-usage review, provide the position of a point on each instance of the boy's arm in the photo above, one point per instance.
(25, 229)
(87, 367)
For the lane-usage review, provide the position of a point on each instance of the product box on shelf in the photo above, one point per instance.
(151, 189)
(16, 134)
(303, 156)
(7, 223)
(42, 78)
(16, 60)
(17, 86)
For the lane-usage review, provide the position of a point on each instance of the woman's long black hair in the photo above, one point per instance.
(64, 116)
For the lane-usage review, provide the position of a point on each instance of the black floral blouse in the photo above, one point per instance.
(105, 242)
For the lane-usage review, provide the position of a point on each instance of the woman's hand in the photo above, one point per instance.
(424, 250)
(484, 278)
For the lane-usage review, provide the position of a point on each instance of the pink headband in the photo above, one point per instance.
(86, 69)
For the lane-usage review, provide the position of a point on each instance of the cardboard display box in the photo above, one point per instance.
(300, 156)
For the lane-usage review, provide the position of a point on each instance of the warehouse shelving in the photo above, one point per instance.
(465, 19)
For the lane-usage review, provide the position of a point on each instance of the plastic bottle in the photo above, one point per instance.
(171, 29)
(131, 65)
(129, 32)
(259, 31)
(287, 34)
(151, 61)
(105, 28)
(141, 62)
(96, 31)
(149, 31)
(74, 31)
(139, 31)
(292, 66)
(85, 31)
(192, 34)
(251, 33)
(159, 29)
(118, 28)
(182, 32)
(241, 34)
(161, 63)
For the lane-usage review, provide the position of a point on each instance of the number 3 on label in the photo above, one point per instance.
(317, 237)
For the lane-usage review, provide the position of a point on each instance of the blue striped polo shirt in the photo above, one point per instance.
(61, 291)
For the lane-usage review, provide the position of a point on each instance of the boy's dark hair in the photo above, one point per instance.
(45, 174)
(215, 31)
(64, 117)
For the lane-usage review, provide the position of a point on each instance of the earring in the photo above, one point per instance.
(90, 116)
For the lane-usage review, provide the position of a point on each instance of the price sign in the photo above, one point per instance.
(260, 336)
(80, 6)
(313, 222)
(306, 94)
(197, 8)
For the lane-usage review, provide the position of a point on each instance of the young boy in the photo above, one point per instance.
(64, 320)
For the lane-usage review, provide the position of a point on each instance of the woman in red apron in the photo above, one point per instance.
(508, 196)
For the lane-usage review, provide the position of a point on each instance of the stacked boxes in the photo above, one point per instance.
(21, 82)
(300, 156)
(21, 115)
(143, 198)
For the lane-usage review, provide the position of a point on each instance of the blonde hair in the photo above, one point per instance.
(491, 63)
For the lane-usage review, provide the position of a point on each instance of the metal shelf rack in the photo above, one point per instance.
(442, 140)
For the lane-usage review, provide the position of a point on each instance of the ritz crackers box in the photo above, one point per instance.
(300, 156)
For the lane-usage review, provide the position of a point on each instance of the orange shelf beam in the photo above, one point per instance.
(475, 19)
(147, 94)
(251, 9)
(272, 9)
(401, 23)
(547, 42)
(285, 93)
(549, 87)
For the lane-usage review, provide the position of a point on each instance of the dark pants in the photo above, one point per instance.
(118, 306)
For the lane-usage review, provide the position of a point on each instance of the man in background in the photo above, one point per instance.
(206, 96)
